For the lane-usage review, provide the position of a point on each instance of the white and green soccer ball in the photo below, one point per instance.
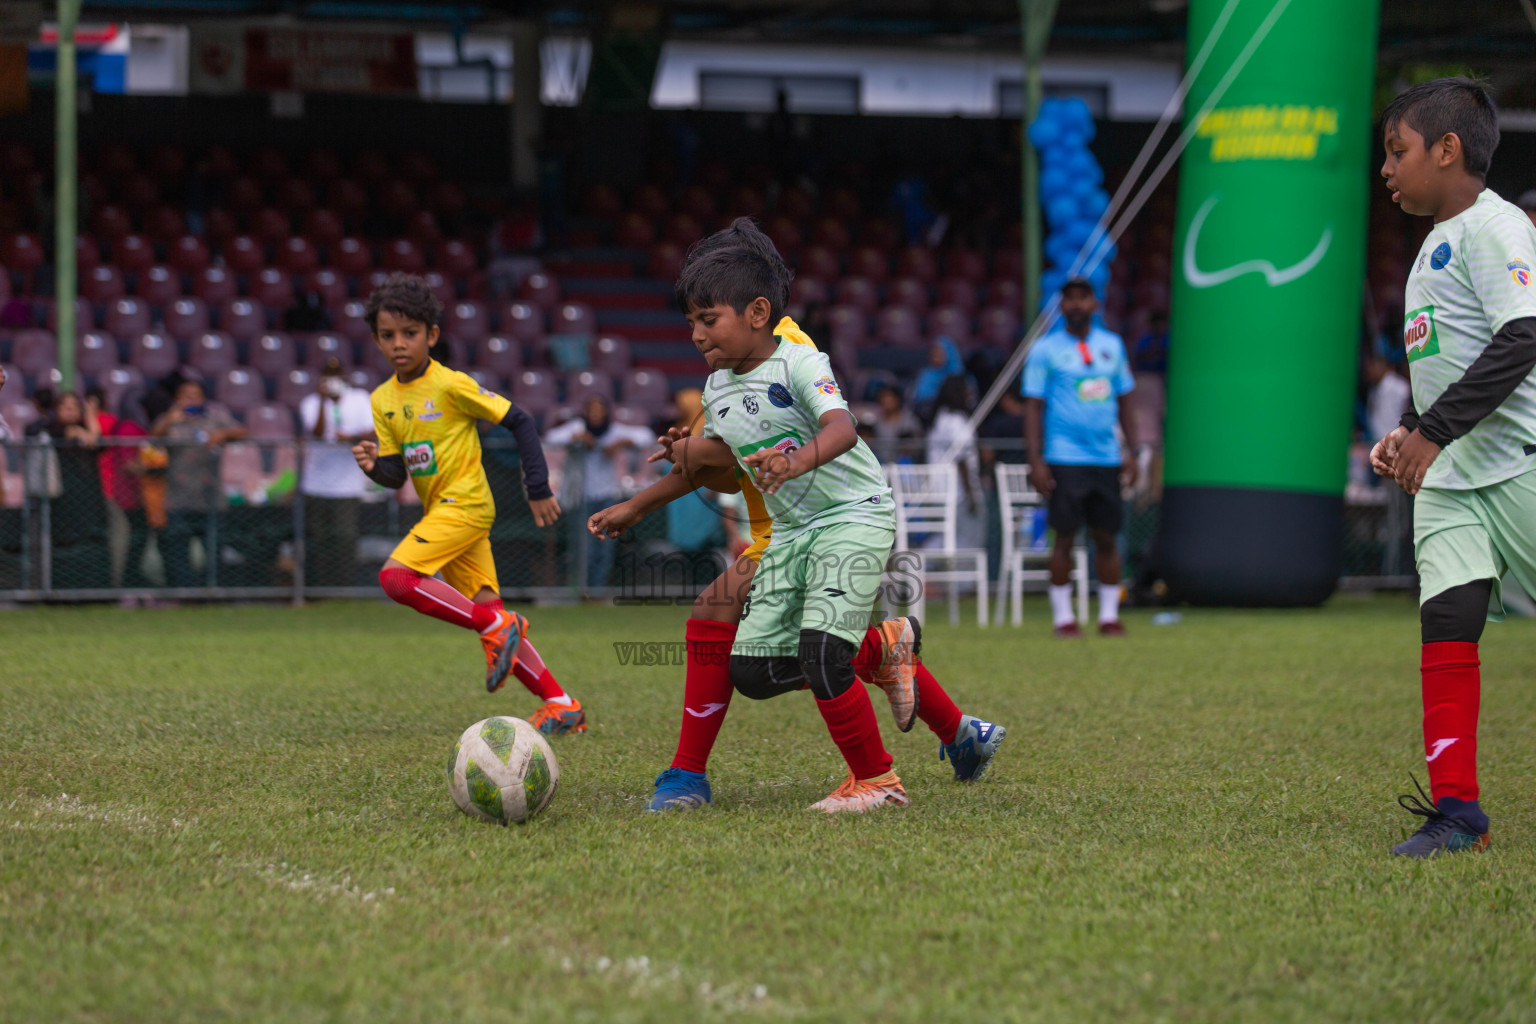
(503, 771)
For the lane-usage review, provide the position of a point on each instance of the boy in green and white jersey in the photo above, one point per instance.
(1468, 448)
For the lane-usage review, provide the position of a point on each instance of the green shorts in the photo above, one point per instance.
(825, 579)
(1462, 536)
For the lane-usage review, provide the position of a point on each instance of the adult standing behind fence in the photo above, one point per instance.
(69, 478)
(335, 418)
(6, 434)
(603, 438)
(192, 491)
(1074, 378)
(128, 532)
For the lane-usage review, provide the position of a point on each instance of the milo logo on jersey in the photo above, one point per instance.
(1094, 389)
(786, 442)
(420, 458)
(1419, 336)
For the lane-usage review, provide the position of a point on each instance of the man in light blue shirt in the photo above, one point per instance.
(1074, 378)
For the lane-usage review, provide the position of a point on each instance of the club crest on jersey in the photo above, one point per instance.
(1441, 256)
(1419, 338)
(1520, 271)
(429, 412)
(779, 395)
(407, 411)
(826, 385)
(749, 403)
(420, 458)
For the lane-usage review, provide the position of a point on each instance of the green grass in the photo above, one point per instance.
(1188, 825)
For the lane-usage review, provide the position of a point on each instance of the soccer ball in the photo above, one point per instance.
(502, 770)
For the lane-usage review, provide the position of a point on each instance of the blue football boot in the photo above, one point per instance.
(1451, 826)
(976, 741)
(679, 789)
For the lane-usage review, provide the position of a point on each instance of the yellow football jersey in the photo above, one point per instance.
(431, 422)
(758, 519)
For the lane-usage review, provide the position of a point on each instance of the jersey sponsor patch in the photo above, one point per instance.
(1419, 338)
(1094, 389)
(826, 385)
(786, 442)
(420, 458)
(779, 395)
(1441, 256)
(1520, 271)
(429, 412)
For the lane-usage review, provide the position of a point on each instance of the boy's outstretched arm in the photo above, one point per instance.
(541, 500)
(837, 435)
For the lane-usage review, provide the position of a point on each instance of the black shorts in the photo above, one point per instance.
(1085, 496)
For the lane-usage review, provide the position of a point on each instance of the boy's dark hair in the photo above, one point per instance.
(1459, 106)
(403, 295)
(732, 267)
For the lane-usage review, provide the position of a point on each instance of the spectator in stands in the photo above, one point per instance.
(333, 419)
(193, 494)
(951, 429)
(944, 362)
(603, 440)
(1528, 203)
(6, 434)
(895, 429)
(77, 517)
(307, 313)
(127, 532)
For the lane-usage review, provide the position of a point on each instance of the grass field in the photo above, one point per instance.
(240, 813)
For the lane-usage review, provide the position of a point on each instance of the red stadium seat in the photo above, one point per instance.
(633, 416)
(322, 165)
(842, 203)
(167, 162)
(329, 285)
(153, 355)
(871, 262)
(647, 388)
(860, 292)
(323, 227)
(214, 285)
(164, 223)
(271, 226)
(273, 288)
(487, 379)
(523, 322)
(967, 264)
(879, 233)
(189, 255)
(102, 285)
(240, 464)
(832, 233)
(243, 195)
(323, 347)
(796, 204)
(244, 255)
(269, 164)
(127, 318)
(456, 258)
(666, 261)
(1008, 263)
(271, 421)
(159, 286)
(602, 202)
(403, 255)
(23, 253)
(351, 256)
(87, 256)
(350, 322)
(849, 323)
(908, 292)
(582, 383)
(805, 290)
(424, 229)
(243, 320)
(186, 318)
(117, 382)
(746, 201)
(467, 322)
(1006, 291)
(819, 262)
(500, 355)
(958, 291)
(34, 352)
(917, 262)
(574, 318)
(398, 199)
(541, 290)
(133, 253)
(899, 326)
(683, 229)
(785, 235)
(212, 353)
(219, 226)
(273, 355)
(534, 391)
(95, 354)
(295, 195)
(348, 198)
(220, 163)
(950, 320)
(699, 203)
(447, 199)
(294, 385)
(365, 377)
(139, 191)
(634, 231)
(85, 314)
(442, 287)
(610, 354)
(650, 202)
(297, 256)
(109, 224)
(999, 325)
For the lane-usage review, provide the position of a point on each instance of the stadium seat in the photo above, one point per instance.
(650, 202)
(957, 291)
(153, 355)
(602, 202)
(295, 196)
(967, 264)
(683, 229)
(633, 415)
(350, 322)
(916, 261)
(1007, 292)
(795, 203)
(329, 285)
(869, 261)
(348, 198)
(242, 319)
(322, 347)
(219, 226)
(159, 286)
(220, 163)
(842, 203)
(541, 289)
(374, 358)
(446, 198)
(22, 253)
(273, 421)
(831, 233)
(666, 261)
(322, 165)
(442, 287)
(294, 385)
(296, 255)
(402, 254)
(273, 355)
(534, 392)
(85, 314)
(998, 325)
(164, 224)
(115, 383)
(95, 354)
(240, 465)
(951, 321)
(899, 327)
(323, 227)
(423, 229)
(487, 379)
(126, 318)
(212, 353)
(167, 163)
(908, 292)
(371, 281)
(214, 285)
(610, 354)
(398, 199)
(87, 258)
(467, 322)
(269, 164)
(34, 352)
(805, 290)
(243, 195)
(1008, 263)
(365, 377)
(785, 235)
(19, 414)
(574, 318)
(273, 288)
(634, 231)
(500, 355)
(699, 203)
(879, 234)
(456, 258)
(581, 383)
(111, 224)
(133, 254)
(351, 256)
(102, 285)
(646, 388)
(847, 322)
(244, 255)
(186, 318)
(859, 292)
(746, 201)
(819, 262)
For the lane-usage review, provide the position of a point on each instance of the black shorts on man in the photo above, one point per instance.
(1086, 496)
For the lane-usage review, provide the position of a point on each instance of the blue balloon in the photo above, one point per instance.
(1061, 211)
(1072, 137)
(1053, 182)
(1044, 132)
(1059, 251)
(1074, 111)
(1081, 188)
(1092, 205)
(1057, 155)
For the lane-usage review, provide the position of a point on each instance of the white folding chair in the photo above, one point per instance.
(1017, 501)
(927, 501)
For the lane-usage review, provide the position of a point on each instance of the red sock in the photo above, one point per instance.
(1451, 696)
(706, 691)
(934, 706)
(532, 673)
(435, 598)
(850, 718)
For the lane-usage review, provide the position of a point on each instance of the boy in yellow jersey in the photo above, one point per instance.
(887, 656)
(425, 417)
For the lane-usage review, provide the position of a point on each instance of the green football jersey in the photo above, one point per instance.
(779, 405)
(1472, 276)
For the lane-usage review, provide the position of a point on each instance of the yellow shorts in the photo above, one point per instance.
(755, 550)
(444, 542)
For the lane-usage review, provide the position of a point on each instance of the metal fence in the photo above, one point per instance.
(145, 519)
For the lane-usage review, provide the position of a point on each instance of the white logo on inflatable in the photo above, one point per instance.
(1274, 276)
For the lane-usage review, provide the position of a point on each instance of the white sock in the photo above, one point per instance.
(564, 700)
(1061, 605)
(1109, 602)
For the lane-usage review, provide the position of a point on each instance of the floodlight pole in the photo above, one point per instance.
(1035, 20)
(65, 210)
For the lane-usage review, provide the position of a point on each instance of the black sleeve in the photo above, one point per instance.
(1492, 377)
(389, 471)
(535, 472)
